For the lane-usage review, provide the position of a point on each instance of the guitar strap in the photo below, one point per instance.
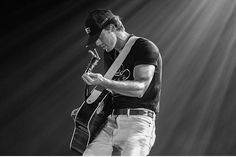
(114, 67)
(120, 59)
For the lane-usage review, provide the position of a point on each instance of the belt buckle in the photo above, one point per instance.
(149, 114)
(152, 115)
(146, 113)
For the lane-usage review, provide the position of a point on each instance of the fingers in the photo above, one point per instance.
(88, 80)
(92, 78)
(92, 75)
(74, 112)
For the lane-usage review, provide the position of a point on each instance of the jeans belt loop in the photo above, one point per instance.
(128, 112)
(112, 114)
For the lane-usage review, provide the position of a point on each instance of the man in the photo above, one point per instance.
(135, 88)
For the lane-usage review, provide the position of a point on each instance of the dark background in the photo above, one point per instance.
(43, 56)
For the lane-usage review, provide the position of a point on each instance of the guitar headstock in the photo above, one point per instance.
(93, 61)
(94, 54)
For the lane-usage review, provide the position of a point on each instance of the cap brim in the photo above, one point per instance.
(92, 39)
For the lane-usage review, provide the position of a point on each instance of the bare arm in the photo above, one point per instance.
(143, 75)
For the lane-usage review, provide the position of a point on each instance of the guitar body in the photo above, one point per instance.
(88, 122)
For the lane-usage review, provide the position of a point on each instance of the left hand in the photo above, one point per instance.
(74, 112)
(92, 78)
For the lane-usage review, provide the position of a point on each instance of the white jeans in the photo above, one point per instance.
(131, 135)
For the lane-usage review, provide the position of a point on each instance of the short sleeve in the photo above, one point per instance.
(146, 52)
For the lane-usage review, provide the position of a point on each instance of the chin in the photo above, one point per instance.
(108, 50)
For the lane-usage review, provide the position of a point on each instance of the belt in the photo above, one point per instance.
(128, 111)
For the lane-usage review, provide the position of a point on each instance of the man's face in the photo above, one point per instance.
(107, 40)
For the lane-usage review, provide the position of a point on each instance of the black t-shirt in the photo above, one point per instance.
(142, 52)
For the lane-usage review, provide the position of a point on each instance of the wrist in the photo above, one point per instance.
(105, 82)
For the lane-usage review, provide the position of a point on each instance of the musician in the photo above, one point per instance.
(135, 88)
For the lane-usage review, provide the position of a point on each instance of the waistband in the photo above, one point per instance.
(134, 111)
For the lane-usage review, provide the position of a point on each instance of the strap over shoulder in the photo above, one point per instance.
(121, 57)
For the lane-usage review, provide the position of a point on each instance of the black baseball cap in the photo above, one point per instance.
(95, 22)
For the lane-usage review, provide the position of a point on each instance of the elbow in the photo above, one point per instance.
(142, 90)
(141, 93)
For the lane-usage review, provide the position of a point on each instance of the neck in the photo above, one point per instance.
(122, 39)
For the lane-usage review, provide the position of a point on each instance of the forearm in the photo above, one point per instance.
(134, 88)
(127, 88)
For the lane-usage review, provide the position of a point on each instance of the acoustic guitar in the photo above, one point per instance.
(89, 118)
